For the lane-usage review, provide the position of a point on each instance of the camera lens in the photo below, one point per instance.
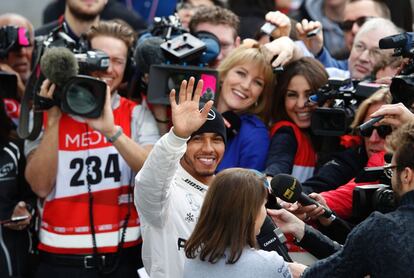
(80, 99)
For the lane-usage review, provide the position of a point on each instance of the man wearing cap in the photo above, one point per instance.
(171, 185)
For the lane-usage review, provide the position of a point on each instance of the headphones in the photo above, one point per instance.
(130, 66)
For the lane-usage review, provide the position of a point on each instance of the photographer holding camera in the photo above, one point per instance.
(373, 246)
(83, 168)
(16, 60)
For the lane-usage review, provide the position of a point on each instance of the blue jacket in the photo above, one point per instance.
(248, 149)
(330, 62)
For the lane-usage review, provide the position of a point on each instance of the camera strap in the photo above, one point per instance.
(29, 97)
(95, 254)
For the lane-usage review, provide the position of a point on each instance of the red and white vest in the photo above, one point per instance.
(65, 225)
(305, 157)
(303, 167)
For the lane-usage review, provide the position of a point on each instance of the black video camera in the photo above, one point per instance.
(402, 85)
(179, 55)
(375, 197)
(343, 96)
(12, 38)
(76, 94)
(8, 85)
(333, 120)
(61, 62)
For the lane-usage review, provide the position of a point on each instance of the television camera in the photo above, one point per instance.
(374, 197)
(402, 85)
(59, 58)
(171, 54)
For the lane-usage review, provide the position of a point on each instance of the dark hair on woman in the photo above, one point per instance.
(311, 69)
(227, 217)
(6, 125)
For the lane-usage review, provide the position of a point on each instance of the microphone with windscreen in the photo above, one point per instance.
(76, 94)
(148, 53)
(289, 189)
(397, 41)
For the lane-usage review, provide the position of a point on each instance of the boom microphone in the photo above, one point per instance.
(148, 52)
(75, 94)
(396, 41)
(289, 190)
(59, 64)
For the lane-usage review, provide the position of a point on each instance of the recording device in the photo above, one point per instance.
(14, 219)
(344, 97)
(375, 197)
(8, 85)
(370, 123)
(402, 44)
(268, 28)
(289, 189)
(334, 120)
(76, 94)
(369, 198)
(13, 38)
(313, 33)
(271, 238)
(402, 90)
(170, 54)
(402, 85)
(163, 78)
(365, 89)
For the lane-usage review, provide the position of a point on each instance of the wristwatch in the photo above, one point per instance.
(113, 138)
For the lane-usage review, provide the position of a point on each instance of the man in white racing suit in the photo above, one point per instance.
(171, 185)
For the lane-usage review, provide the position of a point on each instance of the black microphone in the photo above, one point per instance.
(396, 41)
(148, 52)
(59, 64)
(235, 123)
(289, 189)
(271, 238)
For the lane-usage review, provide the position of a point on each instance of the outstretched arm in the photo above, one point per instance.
(153, 181)
(133, 153)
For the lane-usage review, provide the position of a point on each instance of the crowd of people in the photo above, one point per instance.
(189, 189)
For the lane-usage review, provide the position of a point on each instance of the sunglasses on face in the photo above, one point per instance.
(348, 24)
(389, 170)
(382, 130)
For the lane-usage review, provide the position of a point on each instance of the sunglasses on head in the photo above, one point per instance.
(382, 130)
(347, 25)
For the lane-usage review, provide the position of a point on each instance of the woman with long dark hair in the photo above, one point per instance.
(223, 243)
(291, 149)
